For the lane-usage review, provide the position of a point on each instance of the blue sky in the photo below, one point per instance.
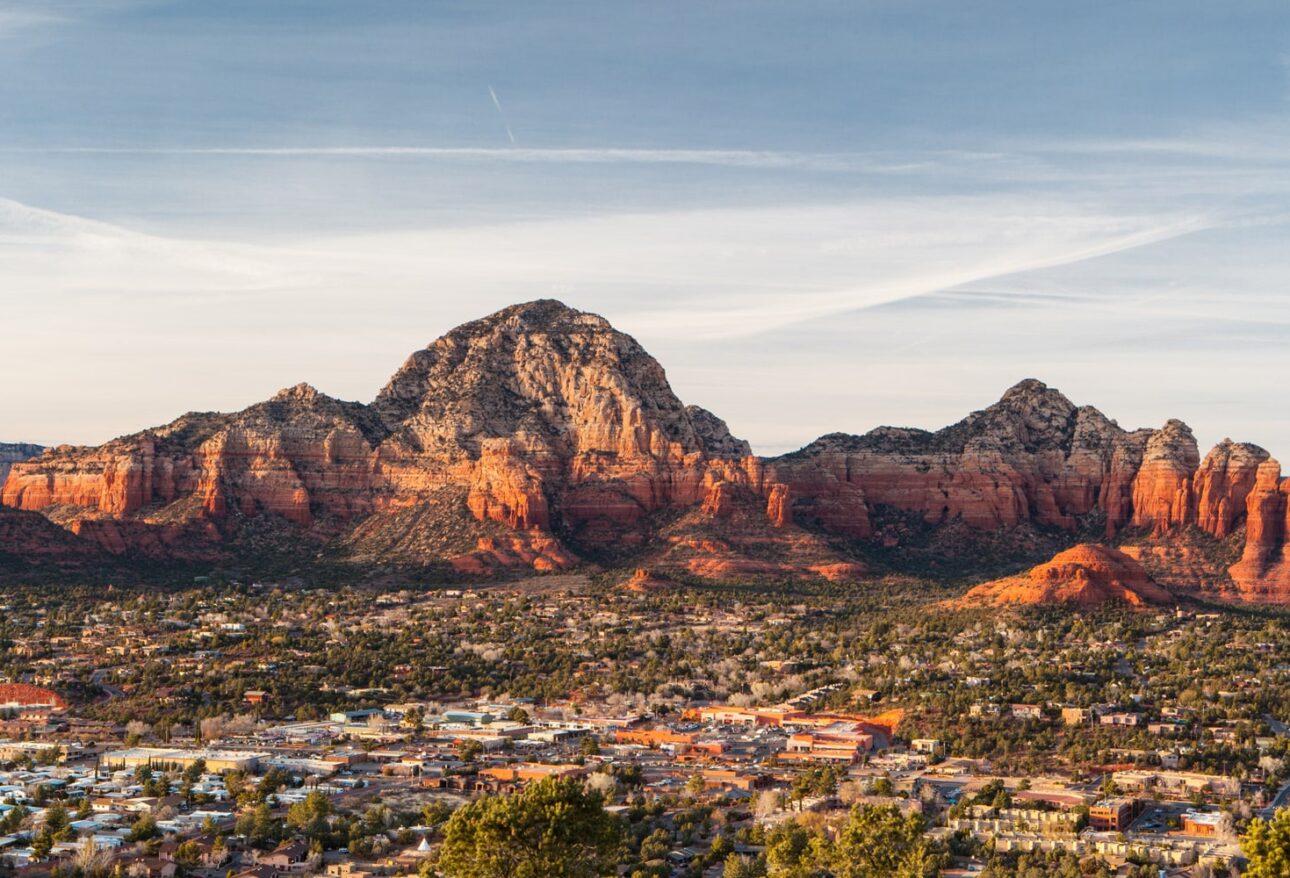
(819, 216)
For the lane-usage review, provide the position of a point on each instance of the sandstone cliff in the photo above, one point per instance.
(541, 436)
(541, 419)
(1032, 457)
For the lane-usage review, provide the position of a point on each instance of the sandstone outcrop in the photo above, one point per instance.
(1084, 576)
(1263, 573)
(645, 581)
(1032, 457)
(540, 436)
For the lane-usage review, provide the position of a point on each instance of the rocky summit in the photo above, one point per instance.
(542, 438)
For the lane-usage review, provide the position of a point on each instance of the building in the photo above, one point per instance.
(1112, 815)
(18, 697)
(811, 747)
(1205, 824)
(156, 757)
(655, 738)
(1120, 719)
(291, 858)
(1076, 716)
(467, 717)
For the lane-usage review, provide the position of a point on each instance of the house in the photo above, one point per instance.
(289, 858)
(1076, 716)
(1120, 719)
(1026, 711)
(151, 867)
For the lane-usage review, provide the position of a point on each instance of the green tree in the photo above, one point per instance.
(791, 852)
(656, 845)
(878, 842)
(57, 822)
(260, 827)
(552, 829)
(1267, 845)
(741, 866)
(143, 829)
(188, 854)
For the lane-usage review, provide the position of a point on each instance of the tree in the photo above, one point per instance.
(188, 854)
(259, 826)
(310, 816)
(656, 845)
(878, 842)
(695, 786)
(740, 866)
(143, 829)
(1267, 845)
(555, 828)
(57, 822)
(92, 861)
(791, 852)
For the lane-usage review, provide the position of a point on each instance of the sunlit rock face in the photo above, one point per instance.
(541, 437)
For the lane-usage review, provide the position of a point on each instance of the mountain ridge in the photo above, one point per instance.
(541, 437)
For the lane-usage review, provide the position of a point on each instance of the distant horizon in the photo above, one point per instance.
(817, 216)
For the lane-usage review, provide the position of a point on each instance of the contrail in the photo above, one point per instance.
(502, 113)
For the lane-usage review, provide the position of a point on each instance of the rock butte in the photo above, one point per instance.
(540, 436)
(1082, 576)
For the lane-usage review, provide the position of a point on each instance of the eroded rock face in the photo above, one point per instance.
(549, 418)
(1084, 576)
(1033, 456)
(1263, 573)
(1222, 484)
(1162, 495)
(540, 435)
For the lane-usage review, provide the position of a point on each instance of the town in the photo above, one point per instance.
(264, 731)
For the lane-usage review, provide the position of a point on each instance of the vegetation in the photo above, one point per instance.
(555, 828)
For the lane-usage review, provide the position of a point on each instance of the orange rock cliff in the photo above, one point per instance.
(540, 435)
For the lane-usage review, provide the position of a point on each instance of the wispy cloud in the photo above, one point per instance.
(767, 159)
(15, 20)
(501, 114)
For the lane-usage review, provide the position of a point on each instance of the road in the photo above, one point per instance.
(1281, 800)
(112, 692)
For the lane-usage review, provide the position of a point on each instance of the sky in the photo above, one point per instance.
(819, 216)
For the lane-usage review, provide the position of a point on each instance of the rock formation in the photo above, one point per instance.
(1263, 573)
(541, 436)
(1084, 576)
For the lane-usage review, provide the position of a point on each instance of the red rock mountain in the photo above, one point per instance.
(540, 436)
(1083, 576)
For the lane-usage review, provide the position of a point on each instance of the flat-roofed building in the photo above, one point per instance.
(1205, 824)
(157, 757)
(1111, 815)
